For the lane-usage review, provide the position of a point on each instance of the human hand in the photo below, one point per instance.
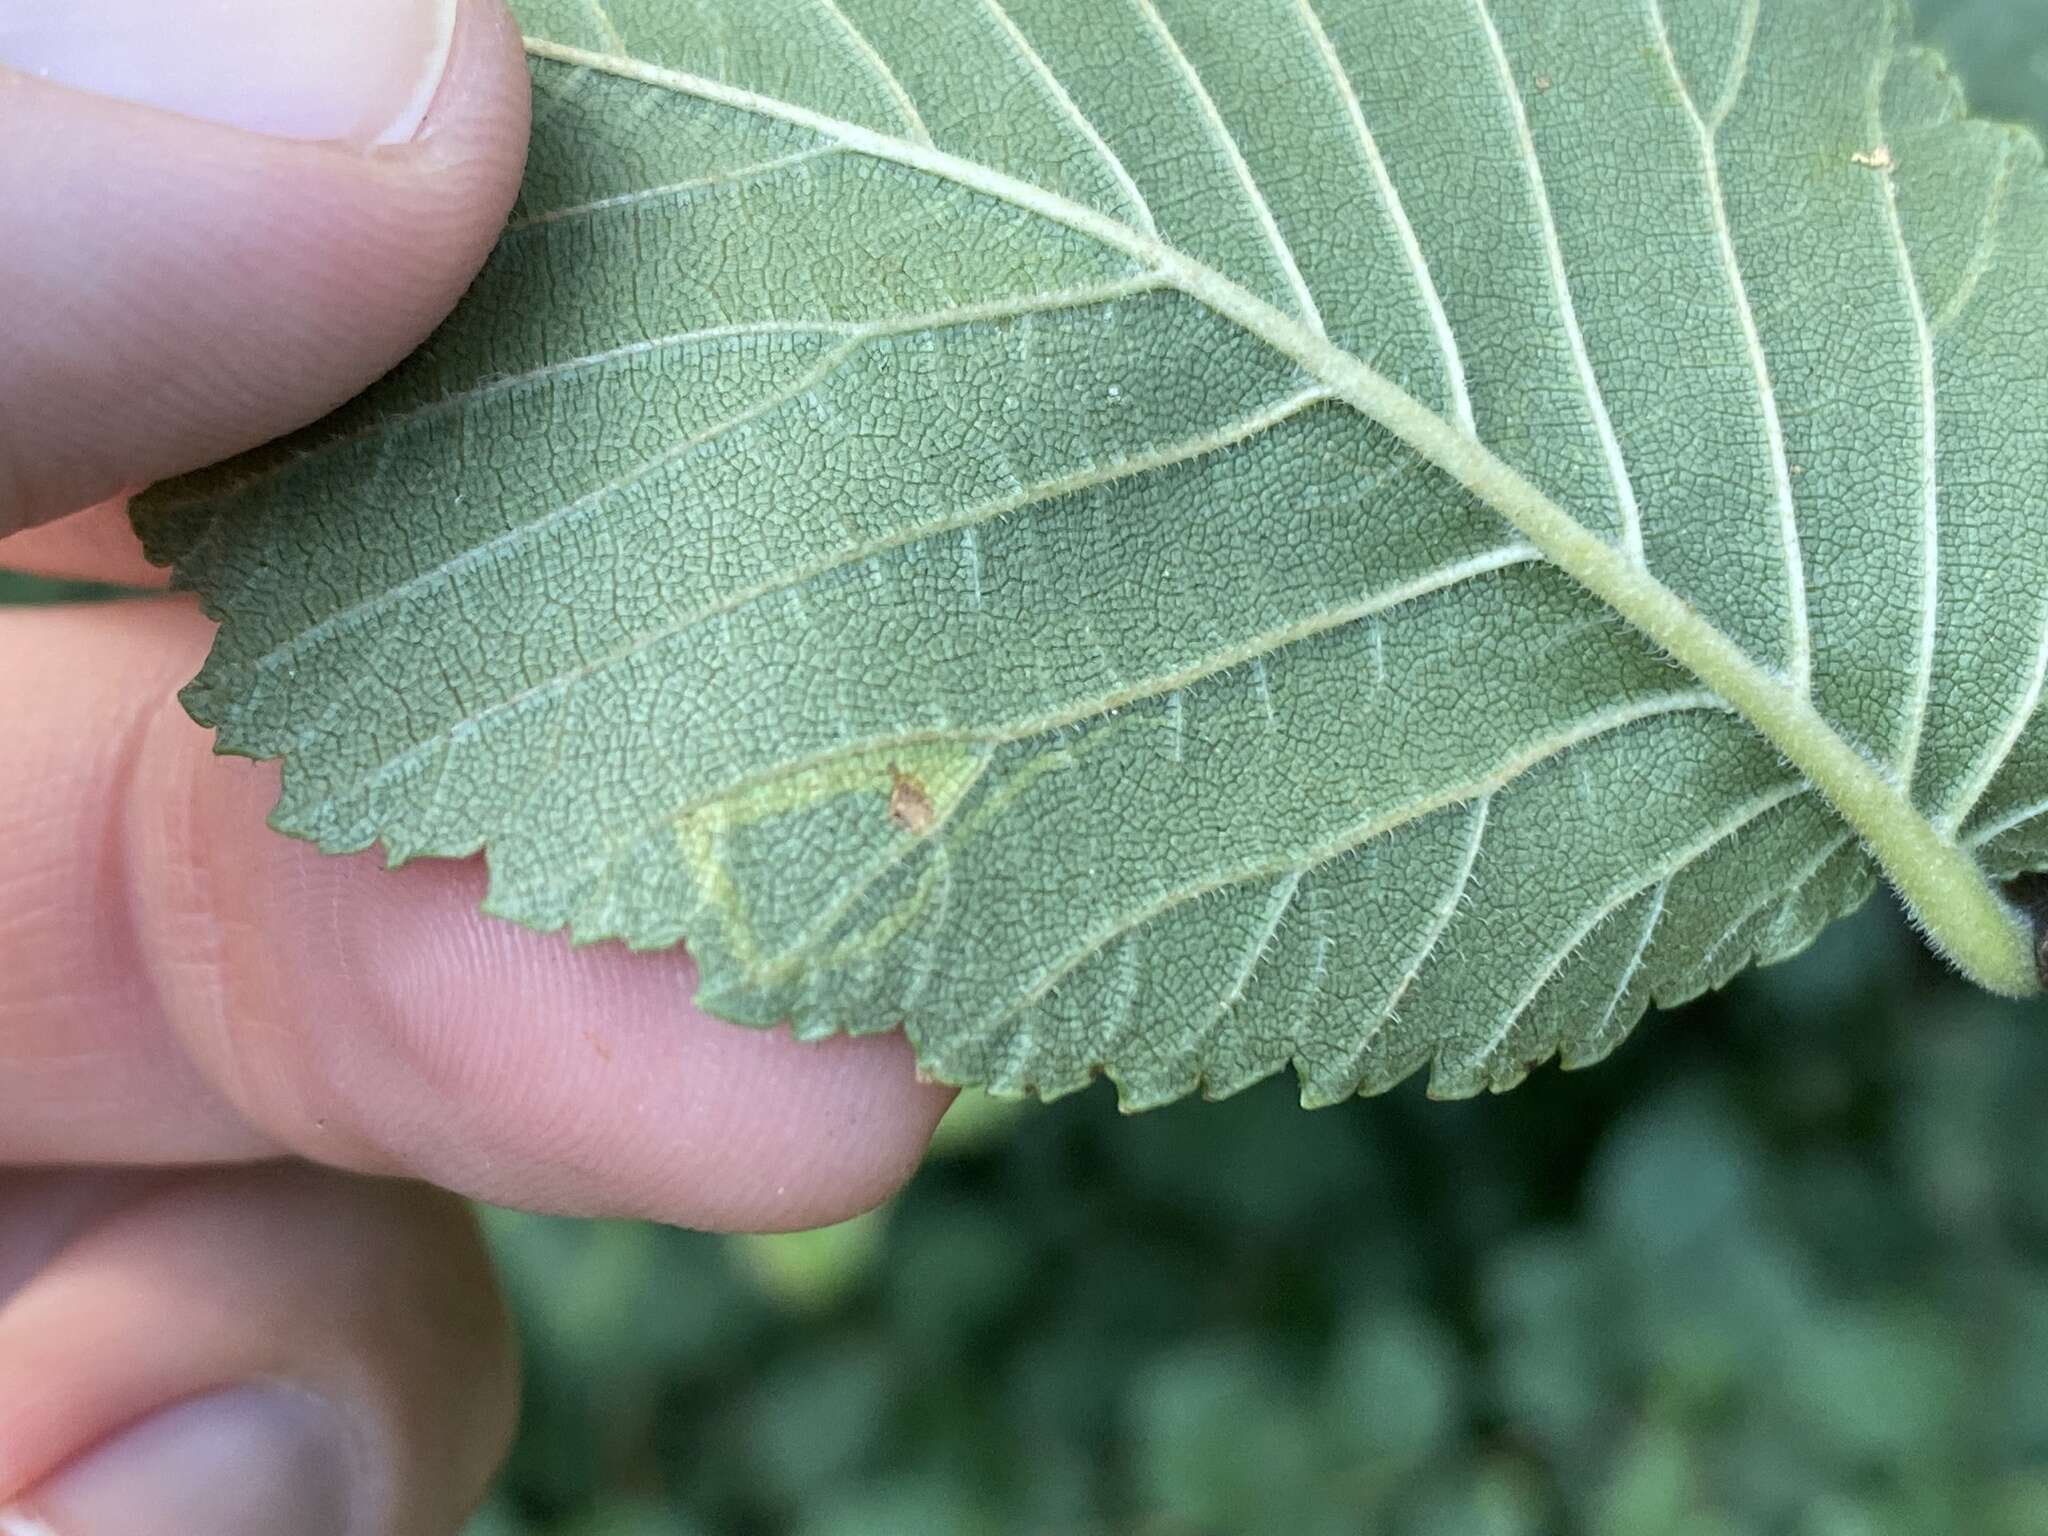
(239, 1080)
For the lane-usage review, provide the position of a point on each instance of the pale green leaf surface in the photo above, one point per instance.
(1185, 538)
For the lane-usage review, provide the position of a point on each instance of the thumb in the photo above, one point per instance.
(219, 219)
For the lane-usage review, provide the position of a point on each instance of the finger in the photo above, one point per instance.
(246, 1352)
(97, 545)
(178, 289)
(178, 984)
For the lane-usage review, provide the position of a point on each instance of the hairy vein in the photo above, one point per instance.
(1922, 689)
(1064, 99)
(1397, 214)
(872, 61)
(1730, 826)
(1278, 905)
(1987, 767)
(674, 190)
(987, 740)
(853, 333)
(1442, 916)
(1226, 141)
(1985, 251)
(1166, 685)
(1738, 66)
(1600, 1037)
(1780, 897)
(966, 519)
(1705, 130)
(606, 26)
(1561, 288)
(1531, 756)
(2011, 821)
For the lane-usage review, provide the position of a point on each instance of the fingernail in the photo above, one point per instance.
(361, 73)
(253, 1461)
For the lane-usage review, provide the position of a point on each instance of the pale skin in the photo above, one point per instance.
(210, 1035)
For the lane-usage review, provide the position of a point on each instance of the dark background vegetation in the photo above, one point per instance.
(1782, 1267)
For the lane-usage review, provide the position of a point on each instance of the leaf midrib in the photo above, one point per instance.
(1943, 886)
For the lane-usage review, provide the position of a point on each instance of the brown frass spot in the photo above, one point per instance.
(909, 806)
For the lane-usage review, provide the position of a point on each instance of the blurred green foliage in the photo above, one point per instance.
(17, 591)
(1781, 1268)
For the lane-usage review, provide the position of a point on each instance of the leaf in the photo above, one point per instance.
(1182, 536)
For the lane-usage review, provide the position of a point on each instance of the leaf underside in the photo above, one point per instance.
(846, 528)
